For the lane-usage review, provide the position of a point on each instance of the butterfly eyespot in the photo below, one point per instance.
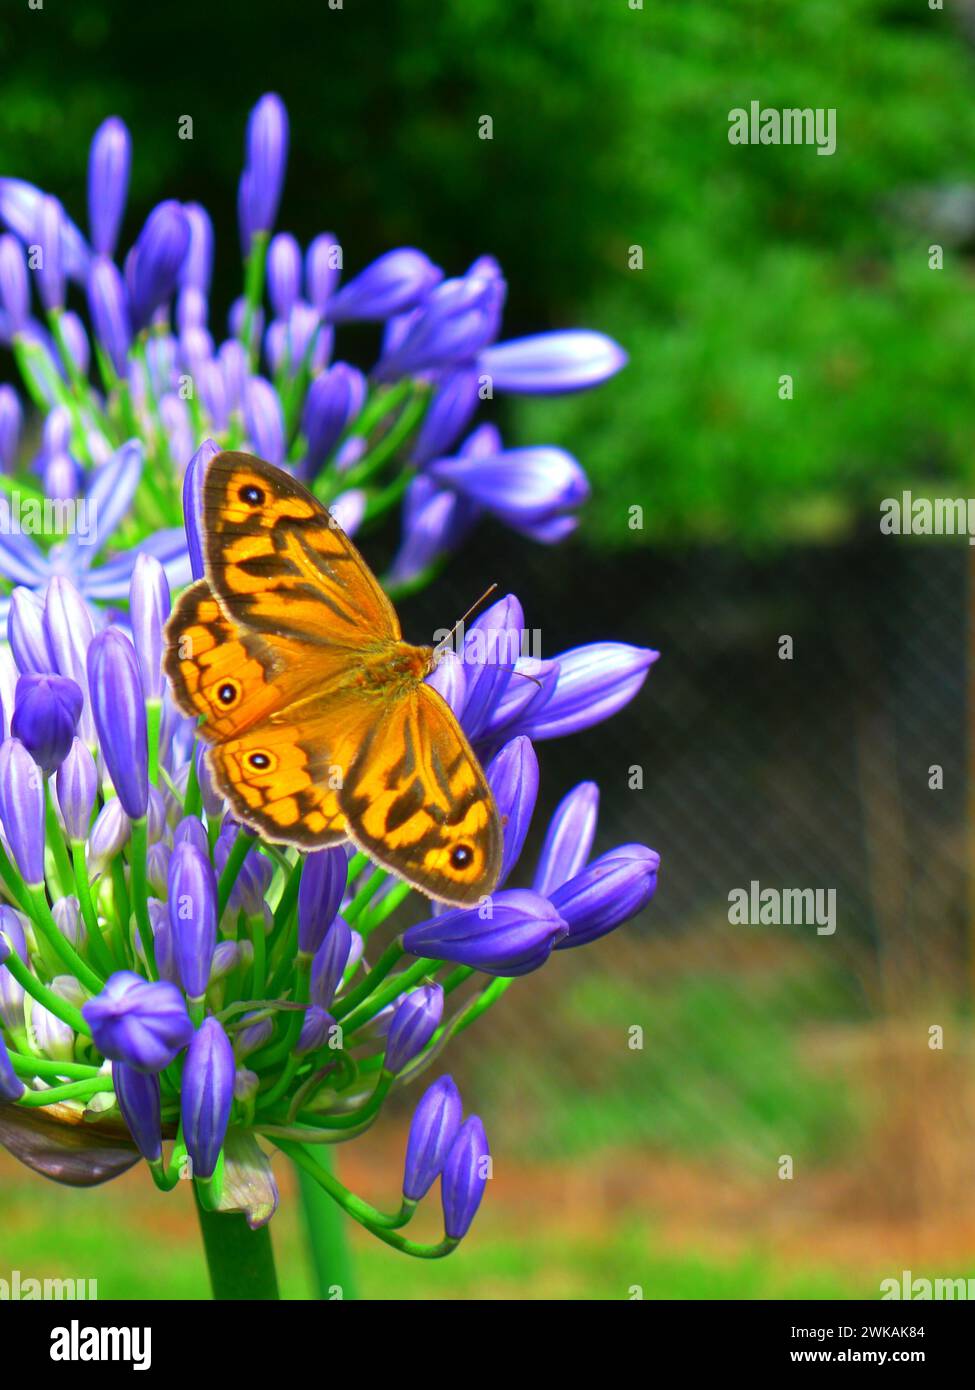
(259, 762)
(251, 495)
(461, 856)
(228, 692)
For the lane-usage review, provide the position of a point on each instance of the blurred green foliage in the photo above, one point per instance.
(610, 131)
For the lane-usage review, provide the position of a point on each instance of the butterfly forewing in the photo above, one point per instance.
(279, 563)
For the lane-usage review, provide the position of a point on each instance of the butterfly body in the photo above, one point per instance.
(321, 725)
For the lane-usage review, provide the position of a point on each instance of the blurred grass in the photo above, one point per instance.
(141, 1245)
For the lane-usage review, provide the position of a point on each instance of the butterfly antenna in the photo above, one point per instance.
(460, 621)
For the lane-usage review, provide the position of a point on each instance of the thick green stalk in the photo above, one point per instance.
(325, 1235)
(240, 1261)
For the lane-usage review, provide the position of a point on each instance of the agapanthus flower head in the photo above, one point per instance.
(147, 914)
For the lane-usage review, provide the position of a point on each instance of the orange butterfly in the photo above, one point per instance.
(322, 728)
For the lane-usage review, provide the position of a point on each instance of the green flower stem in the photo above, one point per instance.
(123, 910)
(55, 842)
(14, 883)
(482, 1003)
(66, 1012)
(253, 289)
(285, 1045)
(235, 859)
(398, 985)
(325, 1235)
(40, 912)
(153, 721)
(258, 936)
(43, 1066)
(32, 365)
(356, 865)
(378, 914)
(140, 892)
(361, 1211)
(457, 977)
(361, 899)
(289, 895)
(240, 1261)
(96, 940)
(398, 433)
(390, 496)
(354, 1118)
(193, 798)
(75, 1090)
(392, 954)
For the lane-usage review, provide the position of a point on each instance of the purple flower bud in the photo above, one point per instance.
(254, 1036)
(11, 990)
(120, 718)
(283, 273)
(246, 1084)
(68, 628)
(76, 339)
(265, 419)
(45, 718)
(392, 284)
(192, 830)
(513, 777)
(491, 648)
(108, 183)
(450, 412)
(11, 422)
(334, 399)
(22, 809)
(77, 787)
(193, 916)
(330, 963)
(320, 893)
(157, 868)
(455, 321)
(551, 363)
(266, 156)
(110, 832)
(434, 521)
(11, 1086)
(521, 486)
(25, 632)
(14, 287)
(135, 1021)
(67, 914)
(514, 936)
(140, 1102)
(435, 1123)
(415, 1021)
(323, 263)
(315, 1031)
(226, 958)
(50, 266)
(108, 303)
(594, 682)
(614, 888)
(157, 259)
(207, 1094)
(149, 607)
(465, 1175)
(53, 1036)
(162, 938)
(254, 877)
(197, 268)
(568, 840)
(193, 503)
(213, 802)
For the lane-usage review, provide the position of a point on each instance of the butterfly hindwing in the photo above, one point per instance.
(417, 801)
(280, 564)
